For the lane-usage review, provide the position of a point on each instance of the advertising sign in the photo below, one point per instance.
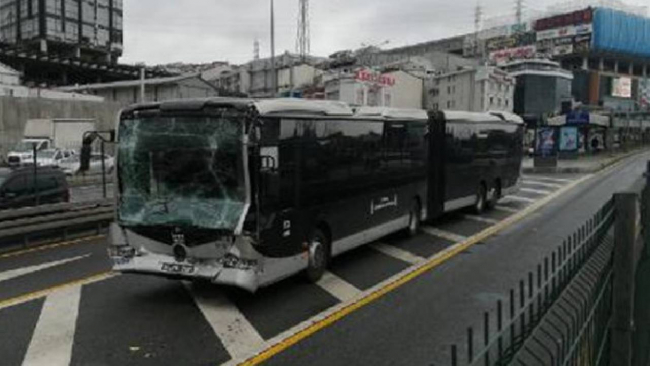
(569, 139)
(518, 53)
(622, 88)
(563, 20)
(546, 143)
(373, 77)
(577, 118)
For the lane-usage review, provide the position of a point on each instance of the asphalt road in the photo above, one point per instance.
(90, 193)
(62, 306)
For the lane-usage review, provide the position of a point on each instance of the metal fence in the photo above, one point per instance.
(576, 306)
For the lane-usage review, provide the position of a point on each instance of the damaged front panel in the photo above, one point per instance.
(183, 171)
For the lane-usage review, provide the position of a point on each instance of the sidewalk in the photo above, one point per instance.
(583, 165)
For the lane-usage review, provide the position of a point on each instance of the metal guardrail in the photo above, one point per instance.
(578, 308)
(22, 224)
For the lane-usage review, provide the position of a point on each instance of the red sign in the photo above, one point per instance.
(375, 78)
(564, 20)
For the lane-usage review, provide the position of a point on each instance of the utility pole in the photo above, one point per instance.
(256, 49)
(478, 15)
(274, 76)
(142, 79)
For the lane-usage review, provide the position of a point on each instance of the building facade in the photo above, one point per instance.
(160, 89)
(480, 89)
(365, 87)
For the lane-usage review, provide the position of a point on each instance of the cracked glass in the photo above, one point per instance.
(182, 171)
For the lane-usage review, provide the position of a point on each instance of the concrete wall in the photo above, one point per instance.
(14, 112)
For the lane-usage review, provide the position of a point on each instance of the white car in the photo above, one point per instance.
(43, 157)
(71, 165)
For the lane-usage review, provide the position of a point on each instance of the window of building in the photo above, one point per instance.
(499, 102)
(491, 101)
(449, 104)
(449, 90)
(507, 103)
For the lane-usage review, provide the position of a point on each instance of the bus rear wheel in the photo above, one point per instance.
(481, 199)
(318, 253)
(415, 219)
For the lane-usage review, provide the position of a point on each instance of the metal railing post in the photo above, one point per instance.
(625, 235)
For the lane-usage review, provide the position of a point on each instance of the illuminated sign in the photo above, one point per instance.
(513, 54)
(622, 88)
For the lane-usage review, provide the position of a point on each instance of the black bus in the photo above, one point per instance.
(246, 193)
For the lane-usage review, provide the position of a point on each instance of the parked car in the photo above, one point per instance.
(70, 166)
(52, 157)
(17, 188)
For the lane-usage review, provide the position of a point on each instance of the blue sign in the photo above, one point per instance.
(577, 118)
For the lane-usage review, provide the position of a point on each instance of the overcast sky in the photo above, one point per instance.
(163, 31)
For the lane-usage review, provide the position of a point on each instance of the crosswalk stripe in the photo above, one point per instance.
(541, 184)
(535, 191)
(558, 180)
(51, 343)
(444, 234)
(338, 287)
(14, 273)
(506, 209)
(236, 333)
(397, 253)
(521, 199)
(481, 219)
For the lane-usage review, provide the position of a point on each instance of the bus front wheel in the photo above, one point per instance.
(318, 256)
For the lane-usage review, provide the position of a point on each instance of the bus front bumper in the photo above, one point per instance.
(230, 271)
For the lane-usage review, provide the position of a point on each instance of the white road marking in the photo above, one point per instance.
(507, 209)
(338, 287)
(11, 274)
(481, 219)
(541, 184)
(444, 234)
(236, 333)
(51, 343)
(535, 191)
(558, 180)
(521, 199)
(397, 253)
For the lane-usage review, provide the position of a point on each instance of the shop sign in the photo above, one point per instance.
(576, 118)
(513, 54)
(569, 139)
(565, 20)
(373, 77)
(562, 50)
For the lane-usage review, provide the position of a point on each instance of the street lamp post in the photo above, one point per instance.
(274, 81)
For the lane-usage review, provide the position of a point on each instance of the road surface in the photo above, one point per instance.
(62, 306)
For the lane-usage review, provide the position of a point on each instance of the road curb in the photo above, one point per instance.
(578, 170)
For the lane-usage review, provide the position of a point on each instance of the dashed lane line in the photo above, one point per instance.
(395, 252)
(14, 273)
(535, 191)
(444, 234)
(506, 209)
(484, 220)
(541, 184)
(53, 337)
(521, 199)
(50, 246)
(64, 286)
(338, 287)
(236, 333)
(549, 179)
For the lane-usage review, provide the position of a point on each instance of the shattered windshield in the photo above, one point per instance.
(182, 171)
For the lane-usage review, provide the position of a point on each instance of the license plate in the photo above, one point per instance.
(178, 268)
(119, 261)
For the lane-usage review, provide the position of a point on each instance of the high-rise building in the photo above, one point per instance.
(89, 30)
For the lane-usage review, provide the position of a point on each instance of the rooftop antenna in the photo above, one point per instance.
(519, 12)
(256, 49)
(302, 41)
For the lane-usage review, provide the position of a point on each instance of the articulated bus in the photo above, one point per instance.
(248, 192)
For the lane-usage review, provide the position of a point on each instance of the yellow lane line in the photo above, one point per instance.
(43, 293)
(50, 246)
(343, 310)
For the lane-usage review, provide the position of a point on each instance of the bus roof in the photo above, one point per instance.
(471, 116)
(392, 113)
(303, 106)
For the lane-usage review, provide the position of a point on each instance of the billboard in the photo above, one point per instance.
(546, 142)
(622, 87)
(568, 139)
(518, 53)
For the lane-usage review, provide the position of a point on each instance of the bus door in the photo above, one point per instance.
(436, 164)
